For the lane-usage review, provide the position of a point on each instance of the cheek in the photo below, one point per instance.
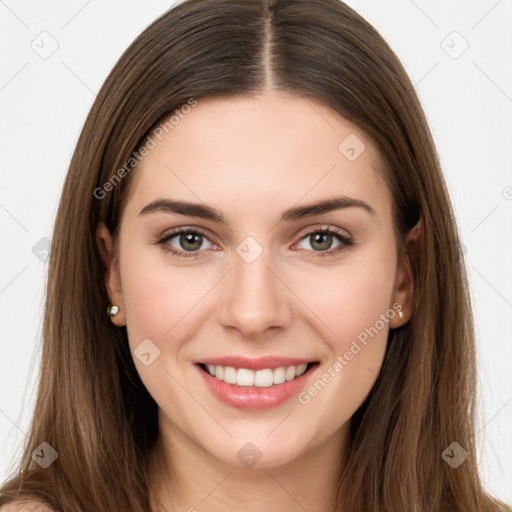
(161, 303)
(160, 298)
(353, 303)
(351, 296)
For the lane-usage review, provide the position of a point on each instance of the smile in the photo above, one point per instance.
(260, 378)
(255, 390)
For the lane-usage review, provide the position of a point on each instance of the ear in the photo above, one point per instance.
(403, 291)
(112, 274)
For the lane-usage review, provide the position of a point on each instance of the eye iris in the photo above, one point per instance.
(324, 239)
(188, 243)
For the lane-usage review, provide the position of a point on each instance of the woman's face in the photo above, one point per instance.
(254, 277)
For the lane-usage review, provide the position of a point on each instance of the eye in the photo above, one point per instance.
(321, 240)
(186, 242)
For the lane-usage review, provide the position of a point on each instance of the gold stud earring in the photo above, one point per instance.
(400, 315)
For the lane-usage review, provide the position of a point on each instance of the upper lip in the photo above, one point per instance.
(259, 363)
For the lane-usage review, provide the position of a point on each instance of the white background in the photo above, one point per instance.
(468, 101)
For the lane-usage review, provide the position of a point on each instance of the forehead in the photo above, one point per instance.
(270, 151)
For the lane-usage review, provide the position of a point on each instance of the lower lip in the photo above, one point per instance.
(252, 398)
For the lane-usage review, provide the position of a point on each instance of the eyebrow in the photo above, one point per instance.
(206, 212)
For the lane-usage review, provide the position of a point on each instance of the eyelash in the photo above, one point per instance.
(345, 240)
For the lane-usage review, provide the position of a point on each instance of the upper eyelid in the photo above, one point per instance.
(185, 229)
(322, 227)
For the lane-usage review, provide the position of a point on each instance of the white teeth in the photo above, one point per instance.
(230, 375)
(290, 373)
(279, 375)
(301, 369)
(260, 378)
(264, 378)
(245, 377)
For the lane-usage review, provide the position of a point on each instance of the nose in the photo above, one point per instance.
(255, 298)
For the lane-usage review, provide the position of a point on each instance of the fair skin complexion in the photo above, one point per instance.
(251, 159)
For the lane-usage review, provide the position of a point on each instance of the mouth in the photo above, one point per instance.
(255, 390)
(264, 378)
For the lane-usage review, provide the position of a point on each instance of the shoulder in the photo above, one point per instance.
(25, 506)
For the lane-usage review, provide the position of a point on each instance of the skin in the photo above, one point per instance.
(251, 159)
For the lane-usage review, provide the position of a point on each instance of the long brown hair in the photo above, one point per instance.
(92, 407)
